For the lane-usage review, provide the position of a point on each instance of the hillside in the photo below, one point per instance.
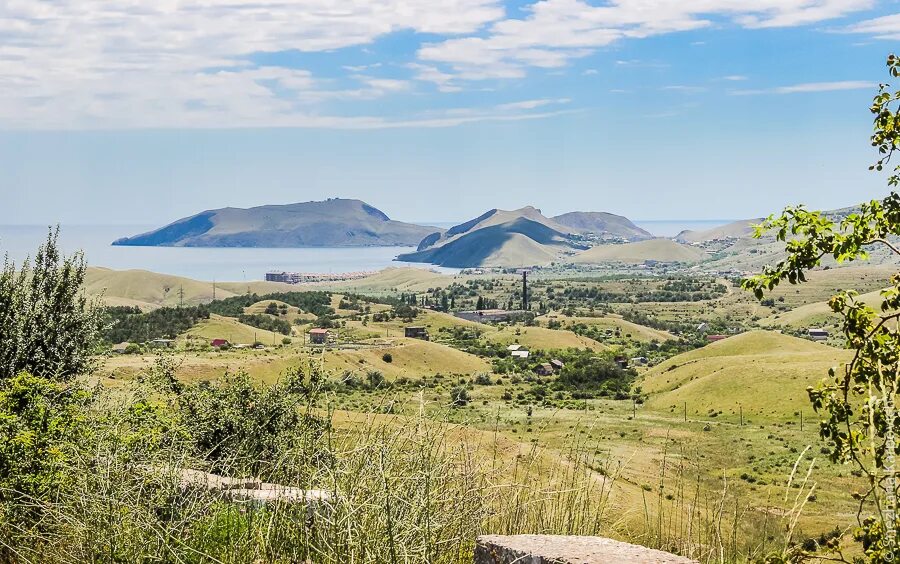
(764, 372)
(603, 224)
(662, 250)
(735, 230)
(330, 223)
(149, 290)
(499, 238)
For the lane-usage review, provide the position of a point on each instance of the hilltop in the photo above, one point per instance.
(331, 223)
(603, 224)
(500, 238)
(661, 250)
(764, 372)
(735, 230)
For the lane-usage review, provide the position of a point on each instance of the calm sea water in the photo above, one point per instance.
(235, 265)
(232, 265)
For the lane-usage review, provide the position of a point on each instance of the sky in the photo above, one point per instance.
(115, 112)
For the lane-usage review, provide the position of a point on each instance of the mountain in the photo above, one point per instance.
(661, 250)
(603, 224)
(736, 230)
(334, 222)
(499, 238)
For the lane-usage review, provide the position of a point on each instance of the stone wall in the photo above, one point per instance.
(551, 549)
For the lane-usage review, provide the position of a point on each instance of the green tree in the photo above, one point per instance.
(861, 423)
(48, 327)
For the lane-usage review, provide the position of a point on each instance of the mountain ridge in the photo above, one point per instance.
(335, 222)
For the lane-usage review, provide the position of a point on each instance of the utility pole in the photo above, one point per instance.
(181, 295)
(685, 412)
(525, 290)
(801, 420)
(214, 289)
(742, 416)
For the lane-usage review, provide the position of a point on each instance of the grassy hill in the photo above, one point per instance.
(392, 281)
(409, 357)
(218, 327)
(149, 290)
(331, 223)
(614, 322)
(734, 230)
(815, 314)
(662, 250)
(543, 338)
(765, 372)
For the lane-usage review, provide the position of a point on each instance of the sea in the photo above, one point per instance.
(237, 264)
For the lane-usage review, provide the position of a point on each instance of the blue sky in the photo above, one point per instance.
(113, 112)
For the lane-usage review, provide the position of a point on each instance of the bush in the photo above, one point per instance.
(39, 428)
(459, 396)
(387, 357)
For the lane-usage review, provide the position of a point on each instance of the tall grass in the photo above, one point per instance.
(406, 489)
(412, 488)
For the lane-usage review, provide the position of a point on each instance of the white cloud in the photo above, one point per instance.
(734, 77)
(684, 89)
(181, 63)
(556, 31)
(809, 87)
(589, 72)
(886, 27)
(532, 104)
(173, 63)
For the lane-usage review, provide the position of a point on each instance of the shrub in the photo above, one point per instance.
(47, 326)
(459, 396)
(387, 357)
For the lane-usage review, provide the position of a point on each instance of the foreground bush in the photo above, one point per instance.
(413, 490)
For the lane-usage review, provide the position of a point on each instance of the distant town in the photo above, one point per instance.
(308, 277)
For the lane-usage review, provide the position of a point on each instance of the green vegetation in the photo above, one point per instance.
(129, 324)
(860, 422)
(47, 326)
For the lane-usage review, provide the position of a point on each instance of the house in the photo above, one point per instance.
(520, 353)
(702, 327)
(817, 334)
(642, 360)
(163, 343)
(514, 347)
(121, 348)
(416, 333)
(557, 364)
(219, 343)
(712, 338)
(544, 369)
(621, 361)
(277, 276)
(318, 336)
(488, 315)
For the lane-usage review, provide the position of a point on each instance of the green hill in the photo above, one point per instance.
(661, 250)
(331, 223)
(764, 372)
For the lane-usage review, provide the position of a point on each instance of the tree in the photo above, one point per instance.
(861, 423)
(48, 327)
